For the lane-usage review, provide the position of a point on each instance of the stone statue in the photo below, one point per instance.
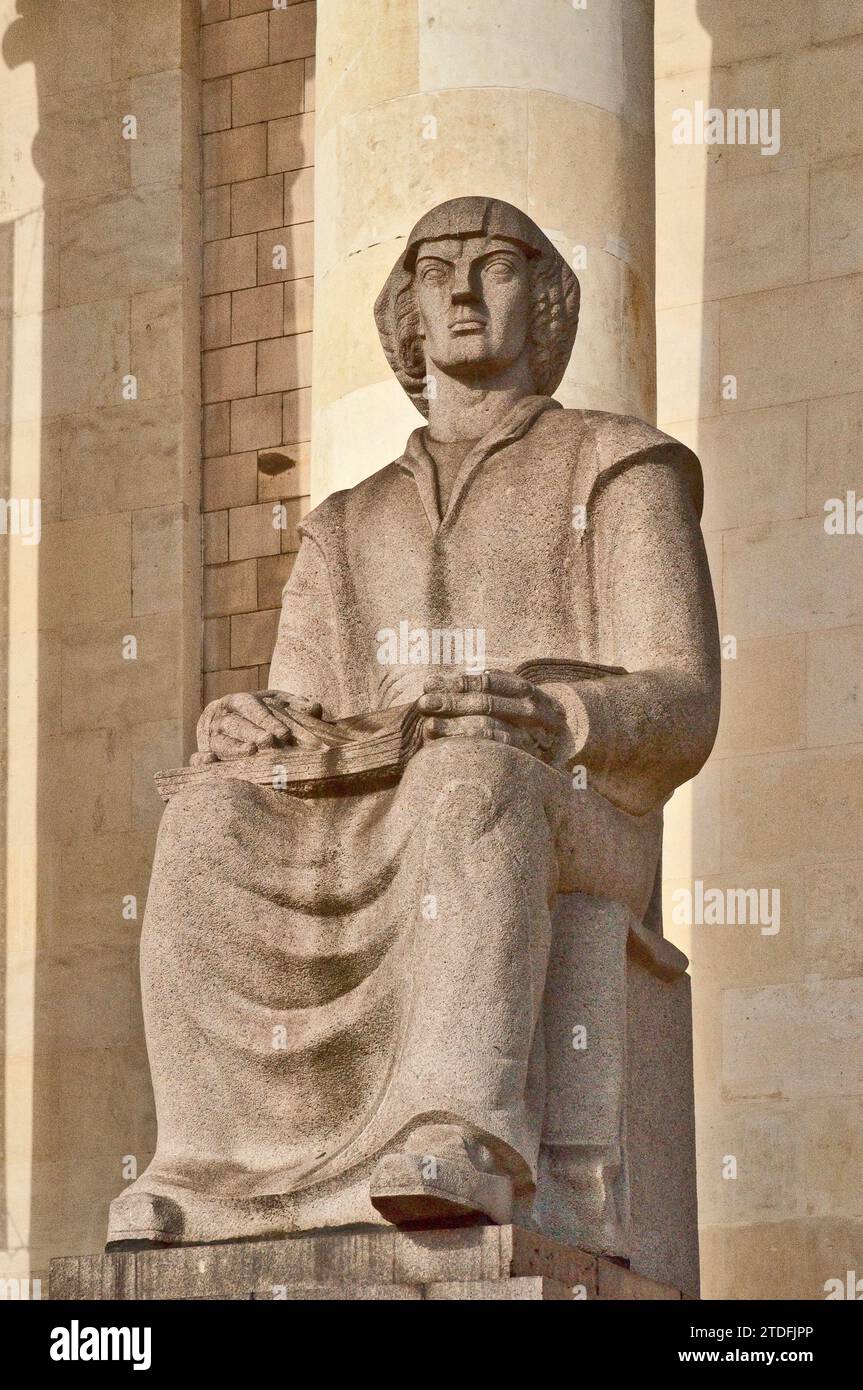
(362, 1005)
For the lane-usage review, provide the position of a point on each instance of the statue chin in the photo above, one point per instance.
(470, 359)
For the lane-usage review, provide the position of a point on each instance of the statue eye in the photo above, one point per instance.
(501, 270)
(433, 274)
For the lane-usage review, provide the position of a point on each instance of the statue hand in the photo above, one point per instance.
(494, 705)
(237, 726)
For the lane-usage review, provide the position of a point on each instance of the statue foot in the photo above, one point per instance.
(143, 1220)
(440, 1180)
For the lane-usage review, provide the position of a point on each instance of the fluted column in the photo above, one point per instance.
(549, 107)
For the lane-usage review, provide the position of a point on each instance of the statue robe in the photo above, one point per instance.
(321, 974)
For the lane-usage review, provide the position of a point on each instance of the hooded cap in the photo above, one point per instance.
(555, 298)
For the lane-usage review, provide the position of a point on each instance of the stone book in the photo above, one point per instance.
(354, 753)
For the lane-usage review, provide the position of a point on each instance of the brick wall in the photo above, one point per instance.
(257, 66)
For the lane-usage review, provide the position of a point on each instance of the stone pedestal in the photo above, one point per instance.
(482, 1262)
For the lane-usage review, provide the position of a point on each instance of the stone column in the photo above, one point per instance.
(100, 625)
(423, 100)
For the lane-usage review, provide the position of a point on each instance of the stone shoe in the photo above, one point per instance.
(441, 1179)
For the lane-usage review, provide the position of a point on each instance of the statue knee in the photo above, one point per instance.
(466, 784)
(443, 760)
(463, 809)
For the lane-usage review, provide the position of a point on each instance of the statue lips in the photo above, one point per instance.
(462, 326)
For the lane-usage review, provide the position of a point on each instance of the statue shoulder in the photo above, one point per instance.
(339, 508)
(606, 444)
(615, 437)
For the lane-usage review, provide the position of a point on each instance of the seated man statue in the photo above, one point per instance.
(343, 990)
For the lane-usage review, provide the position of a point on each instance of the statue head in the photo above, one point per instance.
(477, 288)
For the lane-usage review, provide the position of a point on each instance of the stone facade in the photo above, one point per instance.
(258, 76)
(99, 419)
(758, 267)
(759, 262)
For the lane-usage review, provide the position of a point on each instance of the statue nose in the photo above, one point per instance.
(462, 291)
(462, 288)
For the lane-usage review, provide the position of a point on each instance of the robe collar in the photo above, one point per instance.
(418, 461)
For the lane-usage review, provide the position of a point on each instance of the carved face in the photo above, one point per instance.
(473, 296)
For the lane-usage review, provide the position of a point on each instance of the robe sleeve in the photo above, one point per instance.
(642, 734)
(306, 656)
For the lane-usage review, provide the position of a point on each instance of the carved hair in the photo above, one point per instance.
(554, 301)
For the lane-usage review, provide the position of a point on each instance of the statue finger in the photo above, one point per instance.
(525, 703)
(534, 709)
(471, 726)
(516, 710)
(440, 728)
(252, 709)
(516, 738)
(278, 700)
(237, 727)
(445, 681)
(226, 748)
(209, 714)
(452, 702)
(551, 709)
(545, 709)
(499, 683)
(454, 727)
(493, 682)
(308, 706)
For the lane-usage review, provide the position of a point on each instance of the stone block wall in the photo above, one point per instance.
(759, 278)
(257, 65)
(760, 370)
(99, 621)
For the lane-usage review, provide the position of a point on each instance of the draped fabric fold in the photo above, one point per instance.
(321, 974)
